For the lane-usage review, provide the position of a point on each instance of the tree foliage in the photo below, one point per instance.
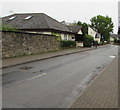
(103, 24)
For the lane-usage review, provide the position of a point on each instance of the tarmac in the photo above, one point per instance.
(102, 92)
(31, 58)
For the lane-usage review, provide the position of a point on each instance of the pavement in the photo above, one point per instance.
(102, 92)
(26, 59)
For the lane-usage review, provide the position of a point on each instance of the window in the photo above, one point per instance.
(73, 37)
(11, 18)
(65, 37)
(96, 36)
(28, 17)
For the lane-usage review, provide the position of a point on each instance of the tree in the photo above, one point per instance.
(104, 25)
(85, 28)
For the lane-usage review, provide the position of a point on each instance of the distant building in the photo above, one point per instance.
(77, 30)
(94, 34)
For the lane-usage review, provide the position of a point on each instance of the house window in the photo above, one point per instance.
(28, 17)
(73, 37)
(65, 37)
(96, 36)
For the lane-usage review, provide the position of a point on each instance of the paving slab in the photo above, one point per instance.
(102, 92)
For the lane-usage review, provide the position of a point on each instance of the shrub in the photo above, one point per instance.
(102, 43)
(88, 40)
(119, 42)
(67, 43)
(7, 28)
(115, 40)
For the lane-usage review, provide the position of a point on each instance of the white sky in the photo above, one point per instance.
(68, 10)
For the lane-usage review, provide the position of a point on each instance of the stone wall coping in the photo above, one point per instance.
(28, 33)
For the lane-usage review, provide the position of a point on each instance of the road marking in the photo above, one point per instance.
(36, 76)
(112, 56)
(31, 78)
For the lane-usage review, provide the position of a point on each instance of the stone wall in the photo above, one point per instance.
(21, 43)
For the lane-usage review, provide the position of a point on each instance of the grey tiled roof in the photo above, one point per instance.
(75, 29)
(37, 21)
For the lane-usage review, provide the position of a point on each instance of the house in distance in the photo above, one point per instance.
(77, 30)
(95, 34)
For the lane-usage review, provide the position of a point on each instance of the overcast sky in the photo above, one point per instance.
(70, 11)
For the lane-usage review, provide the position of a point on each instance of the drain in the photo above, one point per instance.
(41, 70)
(26, 68)
(98, 67)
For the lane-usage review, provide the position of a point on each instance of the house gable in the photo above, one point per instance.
(80, 32)
(76, 29)
(94, 34)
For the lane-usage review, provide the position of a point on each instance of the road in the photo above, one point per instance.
(54, 82)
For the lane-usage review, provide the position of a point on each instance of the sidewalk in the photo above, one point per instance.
(25, 59)
(102, 92)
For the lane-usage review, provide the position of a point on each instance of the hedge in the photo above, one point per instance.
(67, 44)
(116, 41)
(88, 40)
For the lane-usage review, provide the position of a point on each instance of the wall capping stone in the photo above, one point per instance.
(22, 32)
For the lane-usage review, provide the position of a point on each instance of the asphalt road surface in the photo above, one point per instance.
(54, 82)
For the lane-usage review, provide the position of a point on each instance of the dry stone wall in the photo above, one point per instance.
(21, 43)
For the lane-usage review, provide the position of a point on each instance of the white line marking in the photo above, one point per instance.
(112, 56)
(31, 78)
(36, 76)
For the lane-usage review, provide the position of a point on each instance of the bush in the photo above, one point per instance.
(115, 40)
(67, 43)
(102, 43)
(88, 40)
(7, 28)
(119, 42)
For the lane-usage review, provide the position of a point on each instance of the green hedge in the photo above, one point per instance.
(116, 41)
(67, 44)
(88, 40)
